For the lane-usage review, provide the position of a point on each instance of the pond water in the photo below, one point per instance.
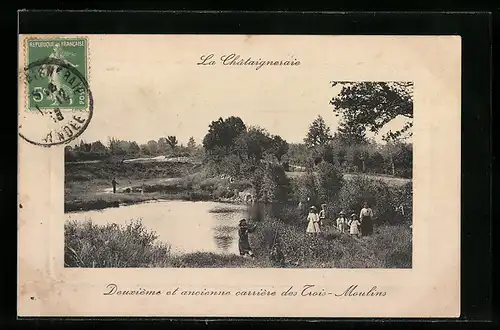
(186, 226)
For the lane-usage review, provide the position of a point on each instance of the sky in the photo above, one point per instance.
(152, 88)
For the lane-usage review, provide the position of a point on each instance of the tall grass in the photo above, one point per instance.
(390, 248)
(131, 245)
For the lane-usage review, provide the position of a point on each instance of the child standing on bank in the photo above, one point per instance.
(354, 225)
(243, 243)
(322, 214)
(342, 222)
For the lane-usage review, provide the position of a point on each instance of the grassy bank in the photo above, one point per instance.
(107, 170)
(89, 188)
(132, 245)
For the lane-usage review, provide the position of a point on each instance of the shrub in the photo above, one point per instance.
(209, 184)
(329, 182)
(291, 215)
(404, 197)
(305, 188)
(359, 189)
(275, 185)
(223, 191)
(111, 245)
(241, 185)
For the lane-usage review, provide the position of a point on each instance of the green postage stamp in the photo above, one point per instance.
(58, 90)
(58, 104)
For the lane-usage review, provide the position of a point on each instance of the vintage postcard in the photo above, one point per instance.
(239, 175)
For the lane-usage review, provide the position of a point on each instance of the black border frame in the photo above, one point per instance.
(476, 32)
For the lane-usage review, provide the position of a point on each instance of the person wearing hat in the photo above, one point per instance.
(243, 243)
(354, 225)
(313, 221)
(322, 214)
(366, 218)
(342, 222)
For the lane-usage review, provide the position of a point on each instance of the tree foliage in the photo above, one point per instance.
(278, 147)
(318, 134)
(191, 143)
(275, 185)
(351, 133)
(329, 182)
(222, 134)
(252, 144)
(172, 142)
(374, 104)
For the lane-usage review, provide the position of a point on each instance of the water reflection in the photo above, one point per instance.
(223, 242)
(186, 226)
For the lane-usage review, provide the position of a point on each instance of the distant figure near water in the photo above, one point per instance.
(114, 183)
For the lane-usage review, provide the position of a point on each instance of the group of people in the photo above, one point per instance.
(355, 225)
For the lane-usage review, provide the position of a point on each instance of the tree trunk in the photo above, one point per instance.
(393, 167)
(363, 165)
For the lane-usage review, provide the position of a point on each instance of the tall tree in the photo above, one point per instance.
(134, 148)
(223, 133)
(318, 134)
(145, 149)
(374, 104)
(191, 143)
(253, 143)
(351, 133)
(163, 145)
(116, 147)
(98, 148)
(153, 147)
(172, 142)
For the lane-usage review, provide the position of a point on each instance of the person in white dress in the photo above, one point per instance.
(342, 222)
(354, 225)
(313, 221)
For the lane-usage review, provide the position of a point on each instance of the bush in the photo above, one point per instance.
(377, 193)
(404, 199)
(329, 182)
(210, 184)
(292, 215)
(131, 245)
(305, 187)
(275, 185)
(241, 185)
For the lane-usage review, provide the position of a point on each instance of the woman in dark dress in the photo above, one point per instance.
(366, 217)
(243, 243)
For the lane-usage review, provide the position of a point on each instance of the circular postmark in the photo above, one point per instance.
(58, 103)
